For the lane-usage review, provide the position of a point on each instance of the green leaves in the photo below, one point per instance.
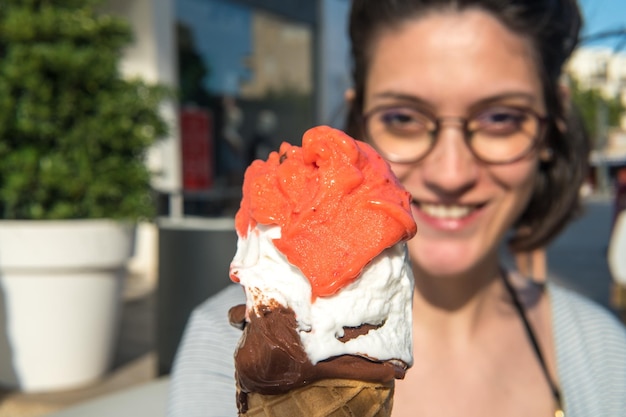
(49, 21)
(597, 111)
(73, 133)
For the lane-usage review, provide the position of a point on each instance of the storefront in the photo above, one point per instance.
(250, 75)
(250, 71)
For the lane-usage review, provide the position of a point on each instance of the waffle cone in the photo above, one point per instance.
(326, 398)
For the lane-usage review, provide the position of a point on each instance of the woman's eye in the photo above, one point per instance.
(403, 120)
(500, 121)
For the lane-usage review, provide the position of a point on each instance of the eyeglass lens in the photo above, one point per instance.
(497, 135)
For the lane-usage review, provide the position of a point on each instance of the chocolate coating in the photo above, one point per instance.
(270, 358)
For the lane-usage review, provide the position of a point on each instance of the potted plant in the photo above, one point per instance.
(73, 136)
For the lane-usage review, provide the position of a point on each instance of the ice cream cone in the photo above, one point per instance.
(326, 398)
(320, 316)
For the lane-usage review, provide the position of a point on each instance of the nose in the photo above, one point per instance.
(450, 169)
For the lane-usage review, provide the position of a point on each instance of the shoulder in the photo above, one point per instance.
(572, 310)
(216, 307)
(591, 353)
(202, 379)
(208, 323)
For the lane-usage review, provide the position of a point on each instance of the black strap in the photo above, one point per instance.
(556, 393)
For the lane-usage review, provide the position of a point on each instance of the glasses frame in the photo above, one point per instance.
(462, 123)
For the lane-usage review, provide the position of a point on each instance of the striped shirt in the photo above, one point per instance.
(590, 349)
(591, 356)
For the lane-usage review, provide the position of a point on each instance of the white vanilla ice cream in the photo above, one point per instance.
(380, 296)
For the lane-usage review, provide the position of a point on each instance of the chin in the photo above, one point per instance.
(445, 259)
(442, 270)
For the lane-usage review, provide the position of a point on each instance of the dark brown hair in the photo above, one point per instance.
(552, 26)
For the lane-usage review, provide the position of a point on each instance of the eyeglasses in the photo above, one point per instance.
(495, 135)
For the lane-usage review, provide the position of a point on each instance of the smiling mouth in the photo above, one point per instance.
(446, 211)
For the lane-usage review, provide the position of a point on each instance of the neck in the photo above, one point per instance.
(457, 304)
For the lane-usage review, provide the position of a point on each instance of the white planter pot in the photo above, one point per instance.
(60, 292)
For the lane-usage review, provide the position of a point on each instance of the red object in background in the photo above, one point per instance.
(196, 127)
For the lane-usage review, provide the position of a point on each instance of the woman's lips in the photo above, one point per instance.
(446, 216)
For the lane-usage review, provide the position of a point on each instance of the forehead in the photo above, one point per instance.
(460, 56)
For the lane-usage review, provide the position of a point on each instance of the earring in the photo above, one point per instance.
(546, 154)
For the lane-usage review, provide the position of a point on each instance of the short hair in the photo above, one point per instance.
(552, 27)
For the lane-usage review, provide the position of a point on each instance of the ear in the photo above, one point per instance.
(546, 154)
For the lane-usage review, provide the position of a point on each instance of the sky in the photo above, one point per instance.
(603, 15)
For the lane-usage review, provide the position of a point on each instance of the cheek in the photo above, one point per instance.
(402, 172)
(517, 181)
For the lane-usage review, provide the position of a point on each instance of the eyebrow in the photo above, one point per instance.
(418, 101)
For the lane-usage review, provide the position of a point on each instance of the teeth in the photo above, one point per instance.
(446, 212)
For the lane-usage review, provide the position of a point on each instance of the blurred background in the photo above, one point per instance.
(248, 75)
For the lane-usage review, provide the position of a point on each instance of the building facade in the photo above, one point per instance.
(250, 75)
(604, 70)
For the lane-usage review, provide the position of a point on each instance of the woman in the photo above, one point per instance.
(463, 99)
